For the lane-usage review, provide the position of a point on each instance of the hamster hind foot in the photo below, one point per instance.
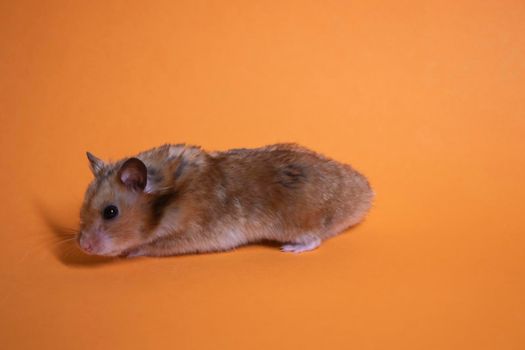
(303, 243)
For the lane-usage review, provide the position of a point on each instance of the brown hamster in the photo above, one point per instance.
(178, 199)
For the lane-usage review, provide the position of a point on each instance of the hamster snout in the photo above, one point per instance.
(95, 243)
(89, 245)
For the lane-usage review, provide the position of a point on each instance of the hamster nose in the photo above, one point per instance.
(86, 244)
(88, 247)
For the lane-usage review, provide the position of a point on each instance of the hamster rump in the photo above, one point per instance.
(178, 199)
(293, 195)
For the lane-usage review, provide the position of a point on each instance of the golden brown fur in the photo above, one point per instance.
(193, 201)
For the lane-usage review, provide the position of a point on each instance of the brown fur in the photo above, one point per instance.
(194, 201)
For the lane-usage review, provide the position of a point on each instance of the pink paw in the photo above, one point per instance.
(303, 244)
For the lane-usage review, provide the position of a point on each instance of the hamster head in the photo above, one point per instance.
(114, 212)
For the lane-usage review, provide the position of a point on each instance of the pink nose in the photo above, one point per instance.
(87, 245)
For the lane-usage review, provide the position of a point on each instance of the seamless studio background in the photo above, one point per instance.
(425, 98)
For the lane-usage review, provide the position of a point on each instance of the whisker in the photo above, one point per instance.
(62, 241)
(37, 247)
(51, 241)
(68, 252)
(64, 231)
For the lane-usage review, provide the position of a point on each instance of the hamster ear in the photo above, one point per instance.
(95, 164)
(133, 174)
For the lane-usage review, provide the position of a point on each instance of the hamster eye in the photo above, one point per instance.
(110, 212)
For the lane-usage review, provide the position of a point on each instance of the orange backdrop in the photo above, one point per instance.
(425, 98)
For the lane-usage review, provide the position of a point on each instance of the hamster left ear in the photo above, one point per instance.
(95, 164)
(133, 174)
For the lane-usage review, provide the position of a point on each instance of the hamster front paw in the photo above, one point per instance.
(133, 253)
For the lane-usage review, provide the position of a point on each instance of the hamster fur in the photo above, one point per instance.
(179, 199)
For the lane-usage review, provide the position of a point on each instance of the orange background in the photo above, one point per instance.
(426, 98)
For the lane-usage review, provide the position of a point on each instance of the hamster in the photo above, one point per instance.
(180, 199)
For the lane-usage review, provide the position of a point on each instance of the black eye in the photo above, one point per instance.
(110, 212)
